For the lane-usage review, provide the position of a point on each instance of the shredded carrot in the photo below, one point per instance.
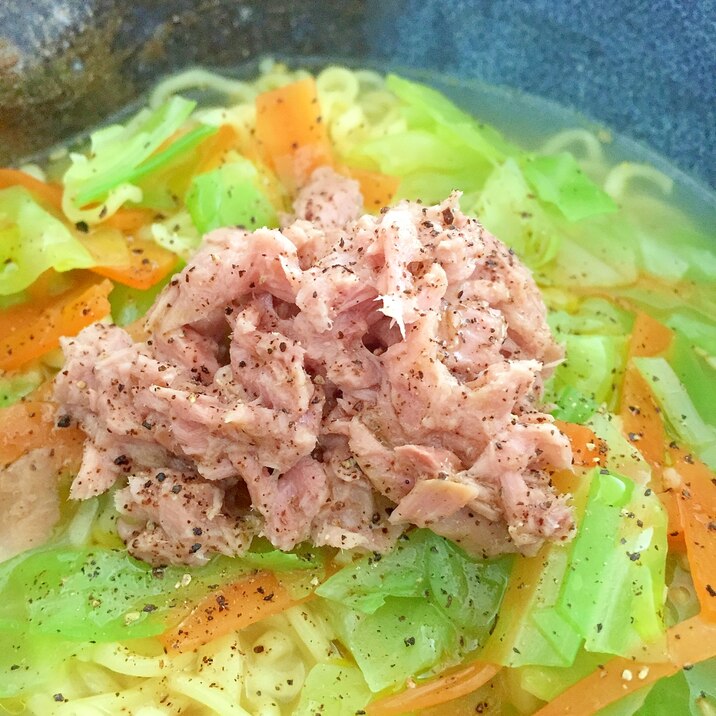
(641, 421)
(51, 194)
(148, 264)
(223, 141)
(28, 331)
(291, 133)
(649, 337)
(31, 424)
(696, 502)
(444, 688)
(690, 642)
(228, 609)
(378, 189)
(587, 449)
(129, 220)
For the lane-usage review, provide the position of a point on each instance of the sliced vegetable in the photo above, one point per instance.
(434, 692)
(558, 179)
(696, 499)
(130, 304)
(49, 194)
(148, 263)
(33, 241)
(697, 375)
(587, 449)
(378, 189)
(335, 689)
(605, 590)
(677, 408)
(120, 155)
(428, 108)
(15, 386)
(690, 642)
(228, 609)
(28, 331)
(129, 220)
(229, 196)
(416, 607)
(27, 425)
(613, 592)
(291, 132)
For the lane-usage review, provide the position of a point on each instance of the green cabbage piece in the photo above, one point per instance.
(509, 209)
(229, 196)
(401, 613)
(130, 304)
(678, 409)
(696, 374)
(441, 149)
(596, 338)
(122, 155)
(33, 241)
(335, 689)
(691, 691)
(613, 593)
(603, 592)
(99, 594)
(15, 386)
(557, 179)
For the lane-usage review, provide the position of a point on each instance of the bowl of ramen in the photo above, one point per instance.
(336, 387)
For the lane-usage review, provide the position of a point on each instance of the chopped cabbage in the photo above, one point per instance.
(33, 241)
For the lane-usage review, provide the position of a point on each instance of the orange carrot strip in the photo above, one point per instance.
(129, 220)
(291, 133)
(50, 193)
(31, 424)
(689, 642)
(148, 264)
(446, 687)
(587, 449)
(223, 141)
(30, 331)
(641, 421)
(649, 336)
(378, 189)
(696, 502)
(228, 609)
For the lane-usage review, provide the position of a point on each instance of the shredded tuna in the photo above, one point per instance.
(335, 381)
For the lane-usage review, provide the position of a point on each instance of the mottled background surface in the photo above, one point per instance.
(646, 68)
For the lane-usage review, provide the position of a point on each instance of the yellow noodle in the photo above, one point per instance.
(202, 692)
(198, 78)
(623, 174)
(311, 633)
(569, 138)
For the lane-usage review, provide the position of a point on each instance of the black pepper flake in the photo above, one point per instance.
(160, 477)
(258, 649)
(149, 608)
(195, 547)
(176, 489)
(634, 556)
(197, 531)
(121, 460)
(409, 641)
(59, 698)
(146, 424)
(64, 421)
(711, 590)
